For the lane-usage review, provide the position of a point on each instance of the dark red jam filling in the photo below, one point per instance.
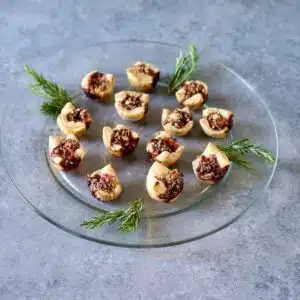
(209, 169)
(131, 102)
(80, 115)
(160, 145)
(104, 182)
(124, 138)
(143, 68)
(218, 122)
(194, 88)
(66, 151)
(96, 80)
(173, 183)
(178, 118)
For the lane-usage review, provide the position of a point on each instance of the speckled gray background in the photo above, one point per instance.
(256, 258)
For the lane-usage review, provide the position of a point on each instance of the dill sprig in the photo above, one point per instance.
(129, 218)
(184, 68)
(58, 97)
(238, 149)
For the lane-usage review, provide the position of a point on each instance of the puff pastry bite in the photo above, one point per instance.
(74, 120)
(211, 165)
(143, 76)
(178, 121)
(104, 184)
(97, 85)
(164, 149)
(65, 152)
(163, 184)
(192, 94)
(131, 105)
(121, 140)
(216, 122)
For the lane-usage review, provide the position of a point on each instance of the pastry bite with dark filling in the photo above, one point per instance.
(177, 122)
(131, 105)
(192, 94)
(216, 122)
(65, 152)
(211, 165)
(74, 120)
(120, 141)
(104, 184)
(164, 149)
(163, 184)
(97, 85)
(143, 76)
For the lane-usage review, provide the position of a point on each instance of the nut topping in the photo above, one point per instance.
(131, 102)
(121, 140)
(159, 145)
(98, 85)
(178, 121)
(178, 118)
(164, 149)
(164, 184)
(143, 68)
(211, 165)
(66, 152)
(143, 76)
(193, 88)
(80, 115)
(124, 140)
(192, 94)
(209, 169)
(97, 80)
(72, 120)
(218, 122)
(103, 182)
(131, 105)
(173, 183)
(148, 70)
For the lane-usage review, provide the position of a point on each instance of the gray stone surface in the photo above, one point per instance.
(256, 258)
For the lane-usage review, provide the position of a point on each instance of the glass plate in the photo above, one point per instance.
(64, 199)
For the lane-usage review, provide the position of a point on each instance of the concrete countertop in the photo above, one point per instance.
(258, 257)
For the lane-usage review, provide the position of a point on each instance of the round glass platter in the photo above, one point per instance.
(64, 199)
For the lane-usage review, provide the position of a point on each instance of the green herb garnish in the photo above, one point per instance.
(238, 149)
(129, 218)
(185, 67)
(49, 90)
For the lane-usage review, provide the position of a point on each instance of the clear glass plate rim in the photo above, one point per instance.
(135, 245)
